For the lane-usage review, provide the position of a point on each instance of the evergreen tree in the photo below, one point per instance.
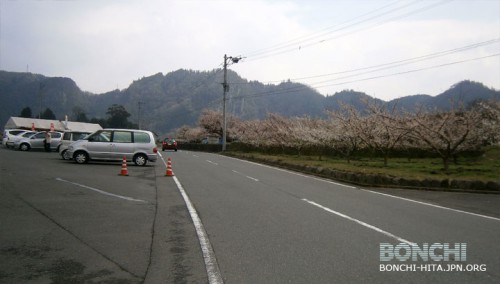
(79, 115)
(48, 114)
(117, 116)
(26, 112)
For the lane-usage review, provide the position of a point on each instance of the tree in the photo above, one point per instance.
(118, 117)
(252, 132)
(211, 121)
(388, 128)
(342, 136)
(26, 112)
(79, 115)
(277, 129)
(448, 134)
(48, 114)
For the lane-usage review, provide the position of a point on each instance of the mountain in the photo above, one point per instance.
(358, 100)
(165, 102)
(19, 90)
(463, 93)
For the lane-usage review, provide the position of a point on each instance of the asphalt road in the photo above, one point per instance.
(63, 222)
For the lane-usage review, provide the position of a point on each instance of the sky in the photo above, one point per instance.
(387, 49)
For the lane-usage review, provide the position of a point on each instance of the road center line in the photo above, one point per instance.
(101, 191)
(249, 177)
(293, 173)
(359, 222)
(371, 191)
(213, 272)
(213, 163)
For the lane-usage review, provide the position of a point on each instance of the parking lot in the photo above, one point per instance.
(64, 222)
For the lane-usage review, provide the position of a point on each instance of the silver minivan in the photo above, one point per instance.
(138, 146)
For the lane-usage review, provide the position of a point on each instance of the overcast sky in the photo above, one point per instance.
(387, 49)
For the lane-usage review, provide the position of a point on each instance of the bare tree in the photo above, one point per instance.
(342, 136)
(448, 134)
(387, 130)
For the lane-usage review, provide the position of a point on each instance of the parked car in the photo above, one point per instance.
(15, 138)
(35, 141)
(68, 138)
(8, 134)
(138, 146)
(169, 144)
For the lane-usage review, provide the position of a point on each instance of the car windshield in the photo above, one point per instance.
(79, 136)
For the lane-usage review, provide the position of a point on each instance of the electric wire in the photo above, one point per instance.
(296, 89)
(310, 36)
(297, 46)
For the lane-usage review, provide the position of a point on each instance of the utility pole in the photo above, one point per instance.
(139, 103)
(225, 88)
(40, 87)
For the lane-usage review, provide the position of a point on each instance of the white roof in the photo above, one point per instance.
(82, 126)
(47, 124)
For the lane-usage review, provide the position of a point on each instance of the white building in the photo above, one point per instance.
(51, 125)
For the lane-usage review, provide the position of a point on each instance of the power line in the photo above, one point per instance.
(299, 45)
(300, 39)
(400, 63)
(394, 64)
(296, 89)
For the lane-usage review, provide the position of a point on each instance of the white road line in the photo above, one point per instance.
(213, 163)
(294, 173)
(433, 205)
(375, 192)
(161, 156)
(249, 177)
(213, 272)
(252, 178)
(101, 191)
(359, 222)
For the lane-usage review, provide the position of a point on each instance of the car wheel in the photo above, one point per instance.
(140, 160)
(65, 155)
(175, 149)
(24, 147)
(81, 157)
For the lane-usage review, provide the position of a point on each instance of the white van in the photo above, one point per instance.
(138, 146)
(68, 138)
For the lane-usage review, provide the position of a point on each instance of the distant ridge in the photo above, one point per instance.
(177, 98)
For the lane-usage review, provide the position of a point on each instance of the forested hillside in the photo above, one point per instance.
(166, 102)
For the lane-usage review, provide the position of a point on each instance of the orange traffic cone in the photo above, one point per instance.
(124, 171)
(169, 169)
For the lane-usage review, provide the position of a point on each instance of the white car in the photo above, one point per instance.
(8, 134)
(35, 141)
(13, 139)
